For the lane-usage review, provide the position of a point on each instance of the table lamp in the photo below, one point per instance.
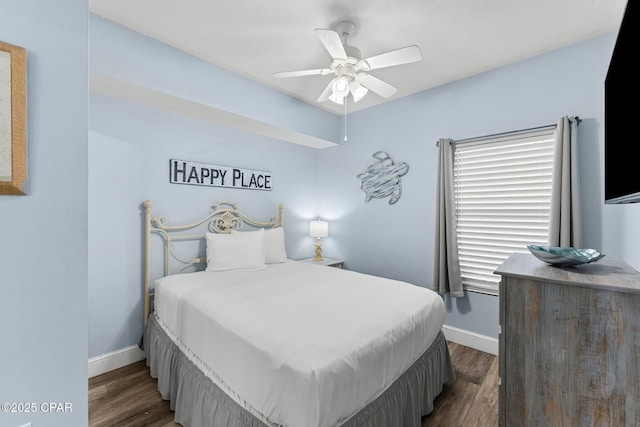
(318, 229)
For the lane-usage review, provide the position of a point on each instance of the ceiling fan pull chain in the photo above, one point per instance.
(345, 118)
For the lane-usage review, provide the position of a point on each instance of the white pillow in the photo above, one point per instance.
(235, 251)
(274, 250)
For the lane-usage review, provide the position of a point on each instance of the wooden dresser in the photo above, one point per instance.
(569, 344)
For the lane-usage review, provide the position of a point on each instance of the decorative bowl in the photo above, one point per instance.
(564, 256)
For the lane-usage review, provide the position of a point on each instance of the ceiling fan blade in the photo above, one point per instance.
(376, 85)
(331, 41)
(326, 92)
(319, 71)
(400, 56)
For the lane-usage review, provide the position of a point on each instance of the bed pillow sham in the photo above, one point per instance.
(235, 251)
(274, 248)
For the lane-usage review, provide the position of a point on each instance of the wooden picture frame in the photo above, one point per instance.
(13, 119)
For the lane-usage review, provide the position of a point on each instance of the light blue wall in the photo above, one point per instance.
(43, 235)
(398, 240)
(129, 150)
(621, 233)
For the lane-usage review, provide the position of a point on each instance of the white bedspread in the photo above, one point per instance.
(298, 344)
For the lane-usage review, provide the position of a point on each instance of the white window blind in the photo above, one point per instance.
(503, 198)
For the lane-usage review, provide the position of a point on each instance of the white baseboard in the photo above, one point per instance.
(114, 360)
(471, 339)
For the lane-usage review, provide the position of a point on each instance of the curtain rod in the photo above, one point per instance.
(477, 138)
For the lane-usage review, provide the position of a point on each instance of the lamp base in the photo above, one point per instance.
(318, 246)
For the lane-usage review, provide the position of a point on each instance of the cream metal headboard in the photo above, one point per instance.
(224, 218)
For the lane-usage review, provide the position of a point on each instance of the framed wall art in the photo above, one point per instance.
(13, 119)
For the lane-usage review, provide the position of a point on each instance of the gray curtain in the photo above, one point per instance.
(565, 227)
(446, 269)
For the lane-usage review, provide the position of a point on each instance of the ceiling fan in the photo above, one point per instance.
(350, 69)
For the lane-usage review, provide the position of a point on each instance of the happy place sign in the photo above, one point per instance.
(193, 173)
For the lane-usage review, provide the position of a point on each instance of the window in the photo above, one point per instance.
(503, 198)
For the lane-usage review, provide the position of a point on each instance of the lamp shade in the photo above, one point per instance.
(318, 229)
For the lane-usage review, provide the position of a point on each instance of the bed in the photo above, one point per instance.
(243, 336)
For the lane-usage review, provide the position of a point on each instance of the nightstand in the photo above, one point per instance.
(325, 261)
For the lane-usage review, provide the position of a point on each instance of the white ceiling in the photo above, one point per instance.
(458, 39)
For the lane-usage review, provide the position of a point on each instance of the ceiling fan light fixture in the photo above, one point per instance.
(339, 89)
(340, 86)
(357, 90)
(336, 98)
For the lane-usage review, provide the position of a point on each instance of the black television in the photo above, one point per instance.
(621, 167)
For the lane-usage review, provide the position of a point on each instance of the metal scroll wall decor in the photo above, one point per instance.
(382, 178)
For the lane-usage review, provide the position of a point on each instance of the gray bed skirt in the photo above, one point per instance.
(198, 402)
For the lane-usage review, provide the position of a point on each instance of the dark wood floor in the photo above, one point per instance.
(472, 399)
(129, 396)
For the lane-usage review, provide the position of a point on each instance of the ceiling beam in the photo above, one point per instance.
(119, 89)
